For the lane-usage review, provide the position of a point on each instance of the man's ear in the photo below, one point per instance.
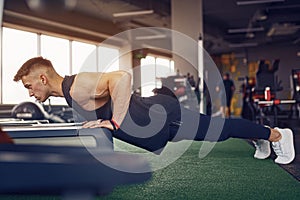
(44, 79)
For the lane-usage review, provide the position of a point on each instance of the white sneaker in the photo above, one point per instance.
(263, 149)
(284, 148)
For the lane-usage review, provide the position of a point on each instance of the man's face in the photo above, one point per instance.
(36, 87)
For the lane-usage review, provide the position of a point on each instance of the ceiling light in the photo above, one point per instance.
(133, 13)
(243, 3)
(250, 35)
(245, 30)
(150, 37)
(261, 15)
(283, 29)
(236, 45)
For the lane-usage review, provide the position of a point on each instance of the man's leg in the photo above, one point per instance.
(228, 107)
(227, 112)
(201, 127)
(216, 129)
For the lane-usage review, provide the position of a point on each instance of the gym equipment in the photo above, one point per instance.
(273, 102)
(73, 172)
(296, 92)
(270, 103)
(4, 138)
(33, 111)
(102, 136)
(256, 104)
(180, 88)
(28, 110)
(296, 84)
(265, 77)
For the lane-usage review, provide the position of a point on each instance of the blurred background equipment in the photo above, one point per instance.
(35, 111)
(28, 110)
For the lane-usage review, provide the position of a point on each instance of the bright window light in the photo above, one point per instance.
(163, 68)
(18, 47)
(108, 59)
(57, 51)
(152, 69)
(83, 57)
(147, 76)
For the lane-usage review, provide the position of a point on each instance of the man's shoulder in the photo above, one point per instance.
(88, 74)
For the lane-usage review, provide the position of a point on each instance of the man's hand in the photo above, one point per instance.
(100, 123)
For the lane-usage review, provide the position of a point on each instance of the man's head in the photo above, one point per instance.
(35, 75)
(226, 76)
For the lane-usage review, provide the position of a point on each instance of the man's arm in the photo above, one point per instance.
(232, 86)
(99, 87)
(119, 86)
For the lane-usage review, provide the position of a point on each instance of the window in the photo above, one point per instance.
(108, 59)
(152, 69)
(148, 76)
(13, 57)
(68, 57)
(83, 57)
(57, 51)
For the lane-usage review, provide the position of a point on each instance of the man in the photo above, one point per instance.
(226, 95)
(105, 100)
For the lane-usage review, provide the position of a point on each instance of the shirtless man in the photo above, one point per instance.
(105, 100)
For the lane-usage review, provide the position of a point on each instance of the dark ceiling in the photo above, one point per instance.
(229, 25)
(240, 26)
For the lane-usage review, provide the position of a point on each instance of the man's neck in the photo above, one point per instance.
(57, 87)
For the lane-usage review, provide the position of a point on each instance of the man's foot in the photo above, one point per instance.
(263, 149)
(284, 148)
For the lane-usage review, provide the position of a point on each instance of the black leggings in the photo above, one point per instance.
(215, 128)
(181, 124)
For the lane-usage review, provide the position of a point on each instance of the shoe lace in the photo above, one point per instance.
(256, 145)
(259, 146)
(277, 147)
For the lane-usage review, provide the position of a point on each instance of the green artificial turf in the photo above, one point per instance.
(229, 171)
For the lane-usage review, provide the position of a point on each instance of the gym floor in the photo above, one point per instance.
(294, 167)
(228, 172)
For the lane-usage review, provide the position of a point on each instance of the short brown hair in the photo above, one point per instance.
(30, 64)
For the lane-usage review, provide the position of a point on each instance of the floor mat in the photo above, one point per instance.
(294, 167)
